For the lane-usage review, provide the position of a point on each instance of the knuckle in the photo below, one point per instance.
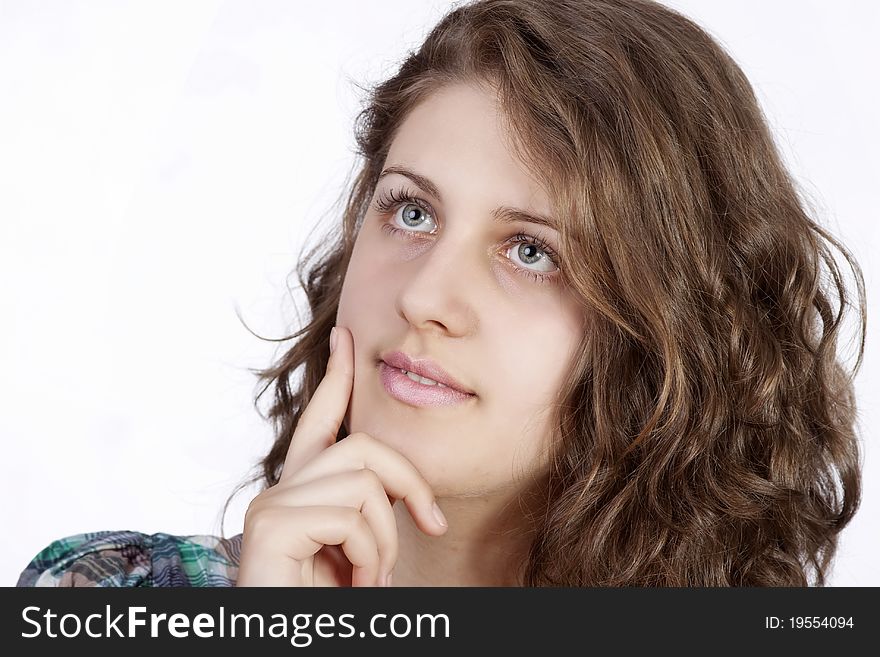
(254, 507)
(322, 423)
(258, 518)
(360, 440)
(339, 367)
(368, 478)
(352, 519)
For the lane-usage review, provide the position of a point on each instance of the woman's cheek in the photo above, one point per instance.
(511, 283)
(407, 249)
(395, 248)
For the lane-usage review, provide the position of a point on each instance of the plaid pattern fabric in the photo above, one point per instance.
(127, 558)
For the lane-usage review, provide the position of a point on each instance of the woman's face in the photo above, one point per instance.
(454, 285)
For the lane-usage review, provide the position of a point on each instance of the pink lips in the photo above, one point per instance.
(401, 387)
(424, 367)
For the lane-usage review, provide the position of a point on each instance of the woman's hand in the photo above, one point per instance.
(328, 521)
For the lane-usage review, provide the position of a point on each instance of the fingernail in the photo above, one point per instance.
(332, 339)
(438, 514)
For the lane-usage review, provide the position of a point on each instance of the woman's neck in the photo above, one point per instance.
(486, 543)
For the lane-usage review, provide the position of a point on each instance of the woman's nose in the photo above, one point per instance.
(441, 287)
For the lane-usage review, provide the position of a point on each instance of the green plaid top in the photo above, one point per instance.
(127, 558)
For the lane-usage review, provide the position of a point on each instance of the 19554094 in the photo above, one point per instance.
(807, 622)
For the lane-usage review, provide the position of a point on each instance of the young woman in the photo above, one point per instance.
(583, 335)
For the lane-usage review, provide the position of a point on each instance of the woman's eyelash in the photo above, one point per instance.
(390, 200)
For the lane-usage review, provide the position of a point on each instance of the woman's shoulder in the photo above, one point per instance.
(129, 558)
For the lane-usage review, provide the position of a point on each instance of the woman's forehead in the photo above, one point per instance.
(455, 141)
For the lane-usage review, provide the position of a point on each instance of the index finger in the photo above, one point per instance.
(319, 424)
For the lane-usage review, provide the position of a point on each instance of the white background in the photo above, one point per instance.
(161, 164)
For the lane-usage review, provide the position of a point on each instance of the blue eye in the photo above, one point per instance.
(526, 247)
(530, 249)
(390, 202)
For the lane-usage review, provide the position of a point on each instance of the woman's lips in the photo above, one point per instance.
(401, 387)
(425, 367)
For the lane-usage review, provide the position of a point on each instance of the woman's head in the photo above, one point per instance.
(446, 275)
(699, 425)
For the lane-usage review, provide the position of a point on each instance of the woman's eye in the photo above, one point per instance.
(414, 211)
(414, 216)
(531, 254)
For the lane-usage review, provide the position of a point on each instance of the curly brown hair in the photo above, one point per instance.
(706, 435)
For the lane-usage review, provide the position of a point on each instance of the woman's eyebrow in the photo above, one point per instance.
(503, 214)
